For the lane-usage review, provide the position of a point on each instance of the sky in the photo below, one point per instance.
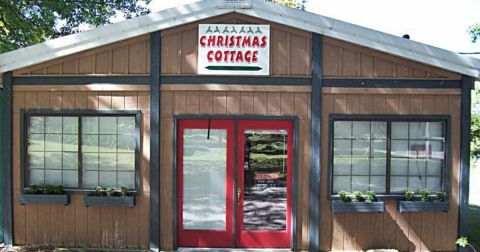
(441, 23)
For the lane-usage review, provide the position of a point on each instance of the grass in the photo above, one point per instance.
(474, 223)
(474, 208)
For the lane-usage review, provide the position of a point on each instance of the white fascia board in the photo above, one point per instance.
(366, 37)
(108, 34)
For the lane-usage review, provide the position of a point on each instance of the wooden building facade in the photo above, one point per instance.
(319, 82)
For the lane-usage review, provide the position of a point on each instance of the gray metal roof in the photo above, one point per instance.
(192, 12)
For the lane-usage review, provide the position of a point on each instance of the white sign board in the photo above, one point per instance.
(233, 49)
(237, 3)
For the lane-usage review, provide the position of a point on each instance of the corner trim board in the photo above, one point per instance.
(464, 176)
(154, 80)
(7, 159)
(315, 144)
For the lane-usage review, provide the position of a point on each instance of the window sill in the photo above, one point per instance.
(44, 199)
(357, 207)
(419, 206)
(89, 200)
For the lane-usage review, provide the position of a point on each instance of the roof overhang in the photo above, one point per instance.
(197, 11)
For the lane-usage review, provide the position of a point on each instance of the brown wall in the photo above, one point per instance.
(346, 60)
(75, 225)
(289, 50)
(128, 57)
(391, 229)
(272, 103)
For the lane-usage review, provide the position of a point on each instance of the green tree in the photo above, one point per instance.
(28, 22)
(475, 125)
(297, 4)
(474, 32)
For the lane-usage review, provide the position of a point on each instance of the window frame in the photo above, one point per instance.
(389, 119)
(25, 115)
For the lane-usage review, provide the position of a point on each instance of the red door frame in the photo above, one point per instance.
(263, 238)
(224, 238)
(206, 238)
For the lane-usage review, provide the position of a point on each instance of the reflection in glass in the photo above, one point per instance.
(204, 176)
(265, 180)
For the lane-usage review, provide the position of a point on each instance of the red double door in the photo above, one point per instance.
(234, 183)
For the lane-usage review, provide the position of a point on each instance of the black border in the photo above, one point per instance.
(464, 174)
(7, 150)
(81, 80)
(391, 83)
(236, 118)
(154, 229)
(385, 117)
(26, 113)
(315, 143)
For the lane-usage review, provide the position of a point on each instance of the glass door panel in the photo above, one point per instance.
(204, 176)
(205, 183)
(264, 176)
(265, 180)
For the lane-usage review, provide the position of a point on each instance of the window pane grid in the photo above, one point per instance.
(362, 139)
(58, 151)
(409, 157)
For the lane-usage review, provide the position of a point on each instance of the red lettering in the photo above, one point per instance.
(255, 42)
(255, 57)
(248, 56)
(220, 41)
(246, 42)
(218, 56)
(202, 40)
(232, 55)
(210, 56)
(238, 39)
(211, 41)
(225, 55)
(264, 41)
(239, 57)
(232, 41)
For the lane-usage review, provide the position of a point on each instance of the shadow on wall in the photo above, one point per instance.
(425, 231)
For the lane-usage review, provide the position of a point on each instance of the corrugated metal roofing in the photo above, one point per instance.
(188, 13)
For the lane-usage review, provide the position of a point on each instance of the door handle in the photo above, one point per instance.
(239, 192)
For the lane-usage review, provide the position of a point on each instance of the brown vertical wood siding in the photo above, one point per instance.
(233, 103)
(346, 60)
(75, 225)
(290, 49)
(391, 229)
(128, 57)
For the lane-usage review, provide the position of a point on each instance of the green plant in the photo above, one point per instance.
(48, 189)
(463, 242)
(33, 189)
(344, 196)
(124, 190)
(357, 196)
(57, 189)
(410, 196)
(109, 191)
(370, 197)
(98, 190)
(441, 196)
(425, 196)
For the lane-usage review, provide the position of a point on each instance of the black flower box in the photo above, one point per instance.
(90, 200)
(44, 199)
(357, 207)
(420, 206)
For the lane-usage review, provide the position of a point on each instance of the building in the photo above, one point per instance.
(235, 125)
